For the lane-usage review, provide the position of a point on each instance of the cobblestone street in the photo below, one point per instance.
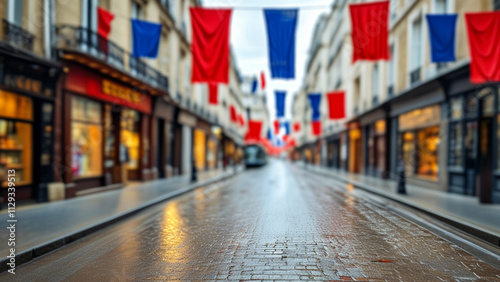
(277, 222)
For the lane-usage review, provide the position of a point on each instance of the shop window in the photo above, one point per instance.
(130, 139)
(16, 150)
(109, 146)
(86, 137)
(456, 149)
(212, 153)
(456, 108)
(199, 149)
(408, 152)
(471, 106)
(428, 142)
(15, 106)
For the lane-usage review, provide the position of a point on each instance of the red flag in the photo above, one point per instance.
(483, 30)
(285, 138)
(276, 126)
(262, 80)
(241, 120)
(210, 44)
(296, 126)
(336, 104)
(254, 130)
(104, 19)
(233, 115)
(213, 93)
(316, 127)
(370, 32)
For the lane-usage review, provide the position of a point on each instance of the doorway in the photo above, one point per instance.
(484, 164)
(160, 148)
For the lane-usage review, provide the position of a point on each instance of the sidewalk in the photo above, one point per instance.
(41, 223)
(464, 212)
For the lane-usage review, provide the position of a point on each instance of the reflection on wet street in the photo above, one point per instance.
(277, 222)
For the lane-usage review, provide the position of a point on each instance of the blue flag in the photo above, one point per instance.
(145, 38)
(315, 100)
(254, 85)
(269, 134)
(281, 26)
(280, 103)
(442, 37)
(286, 125)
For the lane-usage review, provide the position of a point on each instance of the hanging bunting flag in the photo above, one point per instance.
(104, 19)
(280, 103)
(262, 80)
(316, 127)
(241, 120)
(483, 30)
(213, 93)
(269, 134)
(276, 127)
(254, 130)
(232, 113)
(296, 126)
(254, 85)
(370, 32)
(315, 100)
(286, 125)
(281, 27)
(442, 37)
(145, 38)
(285, 138)
(210, 44)
(336, 104)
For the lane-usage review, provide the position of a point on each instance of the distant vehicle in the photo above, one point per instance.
(255, 155)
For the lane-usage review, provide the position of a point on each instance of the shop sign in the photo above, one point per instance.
(420, 118)
(27, 84)
(82, 81)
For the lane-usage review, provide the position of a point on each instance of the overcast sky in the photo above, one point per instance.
(249, 40)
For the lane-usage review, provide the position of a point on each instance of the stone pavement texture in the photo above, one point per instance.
(41, 223)
(465, 209)
(277, 222)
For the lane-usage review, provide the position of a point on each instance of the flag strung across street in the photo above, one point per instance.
(296, 126)
(336, 104)
(276, 127)
(442, 37)
(316, 127)
(281, 27)
(315, 100)
(213, 93)
(145, 38)
(370, 31)
(254, 85)
(280, 103)
(262, 80)
(254, 130)
(210, 45)
(286, 125)
(233, 114)
(483, 30)
(104, 19)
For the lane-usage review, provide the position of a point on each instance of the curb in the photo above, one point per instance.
(468, 228)
(37, 251)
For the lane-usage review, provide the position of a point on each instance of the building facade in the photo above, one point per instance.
(408, 111)
(101, 117)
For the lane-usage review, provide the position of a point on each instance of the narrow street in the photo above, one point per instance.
(278, 222)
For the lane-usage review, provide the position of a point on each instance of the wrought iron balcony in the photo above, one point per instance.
(17, 36)
(91, 43)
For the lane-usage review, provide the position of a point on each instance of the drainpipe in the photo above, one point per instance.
(47, 28)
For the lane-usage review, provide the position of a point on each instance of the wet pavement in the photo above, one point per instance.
(277, 222)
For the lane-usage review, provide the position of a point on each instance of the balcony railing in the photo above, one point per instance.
(17, 36)
(89, 42)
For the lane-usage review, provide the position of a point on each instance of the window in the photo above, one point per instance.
(428, 143)
(440, 6)
(15, 12)
(416, 50)
(456, 148)
(456, 108)
(86, 137)
(136, 12)
(496, 4)
(391, 75)
(375, 84)
(130, 139)
(393, 8)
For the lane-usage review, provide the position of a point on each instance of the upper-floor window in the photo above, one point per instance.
(496, 4)
(15, 12)
(416, 49)
(136, 12)
(393, 8)
(375, 84)
(440, 6)
(392, 73)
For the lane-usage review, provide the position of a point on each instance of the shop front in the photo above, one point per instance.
(201, 141)
(27, 96)
(106, 131)
(474, 133)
